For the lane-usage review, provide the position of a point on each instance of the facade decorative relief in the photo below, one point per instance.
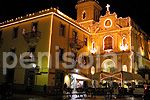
(109, 22)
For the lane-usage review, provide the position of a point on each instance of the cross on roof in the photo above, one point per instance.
(107, 7)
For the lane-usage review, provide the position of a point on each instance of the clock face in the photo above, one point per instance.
(108, 23)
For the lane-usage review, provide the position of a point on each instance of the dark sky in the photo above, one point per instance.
(138, 10)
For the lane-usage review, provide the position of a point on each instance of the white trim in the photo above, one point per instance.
(43, 16)
(26, 20)
(72, 24)
(112, 42)
(110, 22)
(83, 13)
(50, 37)
(123, 39)
(86, 21)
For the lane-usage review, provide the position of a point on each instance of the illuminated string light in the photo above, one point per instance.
(124, 45)
(70, 20)
(93, 49)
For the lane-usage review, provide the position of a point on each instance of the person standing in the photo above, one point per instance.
(65, 86)
(44, 88)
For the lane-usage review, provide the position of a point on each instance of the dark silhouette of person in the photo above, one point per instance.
(44, 88)
(65, 86)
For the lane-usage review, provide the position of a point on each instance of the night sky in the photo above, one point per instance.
(138, 10)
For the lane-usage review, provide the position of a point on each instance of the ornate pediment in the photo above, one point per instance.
(109, 22)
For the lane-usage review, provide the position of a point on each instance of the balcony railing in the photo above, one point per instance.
(76, 43)
(32, 36)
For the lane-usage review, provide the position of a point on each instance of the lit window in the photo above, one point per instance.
(125, 68)
(92, 70)
(108, 43)
(124, 45)
(124, 41)
(93, 49)
(62, 30)
(112, 70)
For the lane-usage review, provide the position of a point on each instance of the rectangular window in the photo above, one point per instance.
(62, 30)
(61, 52)
(15, 32)
(31, 52)
(75, 57)
(32, 49)
(13, 50)
(0, 35)
(85, 60)
(75, 36)
(108, 43)
(85, 40)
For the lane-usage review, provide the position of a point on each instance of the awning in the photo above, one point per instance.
(81, 77)
(138, 77)
(96, 76)
(126, 76)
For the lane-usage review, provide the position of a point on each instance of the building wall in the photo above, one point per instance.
(53, 73)
(117, 30)
(22, 46)
(63, 42)
(141, 46)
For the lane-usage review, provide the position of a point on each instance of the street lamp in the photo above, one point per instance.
(93, 49)
(33, 65)
(92, 72)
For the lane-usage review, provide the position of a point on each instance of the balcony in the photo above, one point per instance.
(76, 43)
(32, 37)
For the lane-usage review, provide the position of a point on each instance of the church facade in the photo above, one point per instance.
(116, 44)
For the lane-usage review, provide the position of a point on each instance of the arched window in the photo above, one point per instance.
(124, 41)
(84, 15)
(108, 65)
(108, 43)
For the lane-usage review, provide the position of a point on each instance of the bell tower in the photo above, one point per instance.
(88, 12)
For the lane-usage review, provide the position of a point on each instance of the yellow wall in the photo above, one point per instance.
(22, 46)
(19, 76)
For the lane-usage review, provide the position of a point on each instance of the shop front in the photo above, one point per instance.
(76, 80)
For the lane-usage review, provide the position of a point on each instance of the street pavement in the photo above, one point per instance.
(65, 97)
